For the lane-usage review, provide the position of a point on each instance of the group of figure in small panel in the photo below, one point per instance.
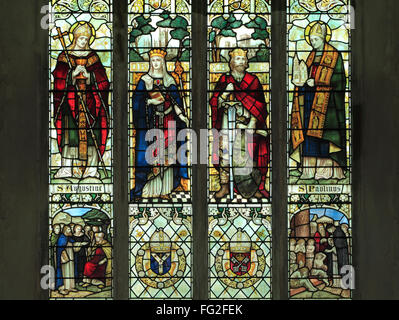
(316, 261)
(81, 257)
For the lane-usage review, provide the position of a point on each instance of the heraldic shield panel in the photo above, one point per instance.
(319, 148)
(160, 252)
(239, 167)
(240, 252)
(80, 154)
(159, 149)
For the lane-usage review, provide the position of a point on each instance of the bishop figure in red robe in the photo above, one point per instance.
(80, 70)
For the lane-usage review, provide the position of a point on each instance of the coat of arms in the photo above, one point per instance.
(160, 263)
(240, 263)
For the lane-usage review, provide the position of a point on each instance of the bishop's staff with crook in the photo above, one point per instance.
(83, 114)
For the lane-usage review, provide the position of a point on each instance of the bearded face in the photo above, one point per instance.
(67, 231)
(239, 64)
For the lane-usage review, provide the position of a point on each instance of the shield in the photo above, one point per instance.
(161, 262)
(240, 263)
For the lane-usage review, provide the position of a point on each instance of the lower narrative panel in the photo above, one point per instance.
(320, 244)
(80, 250)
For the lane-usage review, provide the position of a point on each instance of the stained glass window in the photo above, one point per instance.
(80, 148)
(319, 153)
(239, 148)
(239, 168)
(159, 149)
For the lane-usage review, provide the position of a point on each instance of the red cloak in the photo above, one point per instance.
(251, 94)
(96, 95)
(92, 268)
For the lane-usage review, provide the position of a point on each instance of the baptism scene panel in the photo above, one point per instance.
(239, 165)
(240, 252)
(160, 101)
(319, 148)
(160, 252)
(80, 148)
(320, 244)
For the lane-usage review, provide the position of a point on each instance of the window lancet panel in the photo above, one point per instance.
(160, 213)
(319, 148)
(81, 149)
(239, 163)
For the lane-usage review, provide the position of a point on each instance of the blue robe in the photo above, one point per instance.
(61, 245)
(312, 147)
(143, 120)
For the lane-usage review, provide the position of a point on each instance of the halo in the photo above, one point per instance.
(310, 26)
(81, 23)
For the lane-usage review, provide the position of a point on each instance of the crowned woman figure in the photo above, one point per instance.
(157, 104)
(318, 121)
(80, 120)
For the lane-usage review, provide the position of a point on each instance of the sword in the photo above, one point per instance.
(231, 114)
(231, 111)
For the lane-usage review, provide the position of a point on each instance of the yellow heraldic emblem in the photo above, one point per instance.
(160, 263)
(240, 263)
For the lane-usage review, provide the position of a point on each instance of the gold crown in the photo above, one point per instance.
(158, 53)
(238, 52)
(318, 30)
(160, 242)
(240, 242)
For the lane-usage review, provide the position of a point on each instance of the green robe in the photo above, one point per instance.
(332, 143)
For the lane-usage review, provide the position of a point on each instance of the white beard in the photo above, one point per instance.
(238, 73)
